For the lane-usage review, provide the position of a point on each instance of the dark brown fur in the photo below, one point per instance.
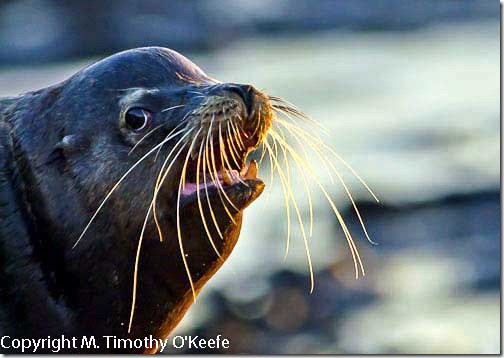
(61, 150)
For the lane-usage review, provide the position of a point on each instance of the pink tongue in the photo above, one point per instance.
(189, 188)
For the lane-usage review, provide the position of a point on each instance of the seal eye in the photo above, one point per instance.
(138, 118)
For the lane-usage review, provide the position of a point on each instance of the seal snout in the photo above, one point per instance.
(247, 94)
(229, 122)
(254, 110)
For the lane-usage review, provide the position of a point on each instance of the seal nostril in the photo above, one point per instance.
(246, 92)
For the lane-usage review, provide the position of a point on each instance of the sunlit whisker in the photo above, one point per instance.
(181, 123)
(220, 188)
(303, 177)
(225, 161)
(323, 158)
(258, 124)
(137, 256)
(213, 177)
(116, 185)
(172, 108)
(236, 135)
(281, 140)
(231, 146)
(196, 92)
(301, 225)
(145, 136)
(293, 117)
(200, 206)
(351, 244)
(162, 177)
(340, 178)
(315, 140)
(179, 231)
(285, 193)
(135, 274)
(263, 153)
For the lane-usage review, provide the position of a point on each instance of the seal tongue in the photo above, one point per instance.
(225, 176)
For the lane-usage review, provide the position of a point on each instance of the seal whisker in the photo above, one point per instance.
(231, 146)
(263, 154)
(205, 163)
(145, 136)
(135, 270)
(173, 107)
(289, 105)
(288, 111)
(287, 169)
(301, 225)
(294, 123)
(236, 135)
(181, 123)
(218, 183)
(281, 138)
(179, 230)
(162, 177)
(237, 152)
(199, 201)
(310, 138)
(140, 240)
(258, 124)
(214, 180)
(195, 92)
(222, 147)
(353, 248)
(291, 110)
(152, 131)
(317, 145)
(275, 147)
(341, 180)
(224, 161)
(274, 162)
(115, 187)
(325, 161)
(240, 128)
(271, 162)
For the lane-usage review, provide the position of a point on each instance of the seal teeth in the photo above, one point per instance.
(251, 170)
(225, 177)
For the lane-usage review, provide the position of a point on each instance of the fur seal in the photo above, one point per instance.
(159, 148)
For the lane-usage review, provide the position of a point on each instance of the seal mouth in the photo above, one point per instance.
(225, 178)
(221, 168)
(230, 127)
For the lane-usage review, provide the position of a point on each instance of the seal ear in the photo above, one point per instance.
(69, 143)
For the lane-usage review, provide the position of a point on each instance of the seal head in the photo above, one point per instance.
(142, 159)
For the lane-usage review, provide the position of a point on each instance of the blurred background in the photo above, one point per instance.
(409, 91)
